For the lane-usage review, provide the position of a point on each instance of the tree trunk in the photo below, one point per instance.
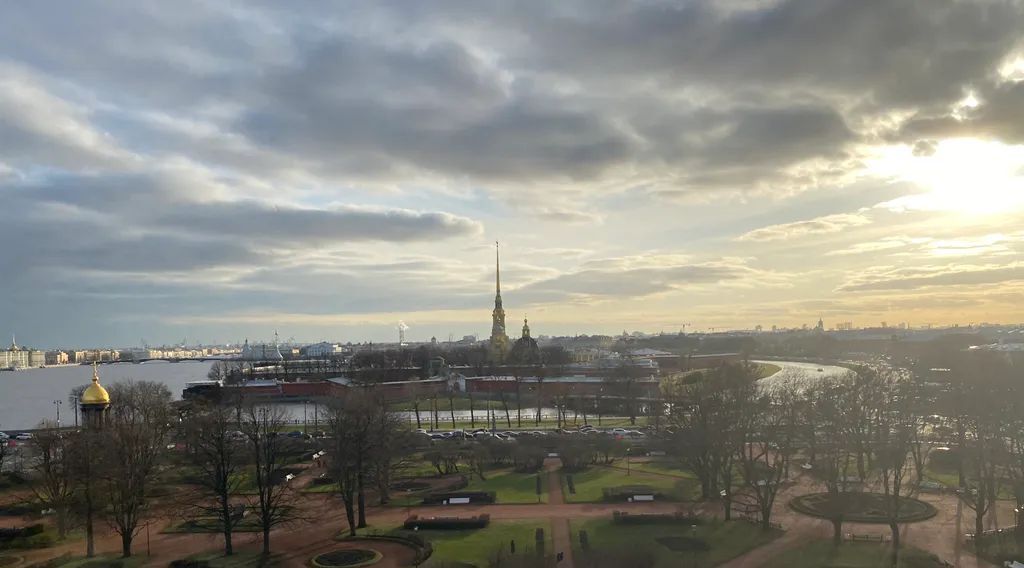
(126, 544)
(266, 539)
(225, 509)
(350, 516)
(519, 407)
(895, 558)
(979, 527)
(472, 416)
(416, 409)
(837, 532)
(361, 497)
(508, 417)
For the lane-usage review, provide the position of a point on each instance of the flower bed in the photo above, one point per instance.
(862, 507)
(347, 558)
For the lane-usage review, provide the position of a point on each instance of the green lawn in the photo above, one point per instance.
(236, 560)
(658, 466)
(213, 525)
(726, 540)
(766, 370)
(590, 483)
(102, 560)
(822, 554)
(481, 546)
(511, 487)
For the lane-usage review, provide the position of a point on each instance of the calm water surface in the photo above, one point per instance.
(26, 397)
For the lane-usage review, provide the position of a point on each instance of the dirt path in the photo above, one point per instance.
(561, 534)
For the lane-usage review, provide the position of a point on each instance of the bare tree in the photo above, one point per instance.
(263, 428)
(391, 449)
(894, 426)
(827, 409)
(131, 445)
(765, 450)
(55, 483)
(350, 422)
(985, 405)
(217, 456)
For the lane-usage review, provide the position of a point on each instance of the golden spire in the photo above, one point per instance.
(95, 393)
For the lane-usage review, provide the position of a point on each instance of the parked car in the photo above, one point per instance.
(23, 436)
(4, 436)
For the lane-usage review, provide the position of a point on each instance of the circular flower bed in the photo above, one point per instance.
(347, 557)
(861, 507)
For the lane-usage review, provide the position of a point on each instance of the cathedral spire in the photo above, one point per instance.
(499, 340)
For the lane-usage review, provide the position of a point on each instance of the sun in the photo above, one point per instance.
(963, 175)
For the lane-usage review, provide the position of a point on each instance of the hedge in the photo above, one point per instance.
(624, 518)
(446, 523)
(473, 496)
(623, 493)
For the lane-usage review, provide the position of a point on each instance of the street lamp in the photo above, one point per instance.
(74, 401)
(57, 404)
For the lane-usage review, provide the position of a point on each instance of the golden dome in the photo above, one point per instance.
(95, 393)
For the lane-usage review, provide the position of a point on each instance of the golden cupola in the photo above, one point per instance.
(95, 393)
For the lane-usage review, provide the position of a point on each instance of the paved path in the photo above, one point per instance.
(561, 534)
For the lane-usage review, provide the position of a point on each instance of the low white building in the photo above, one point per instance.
(323, 349)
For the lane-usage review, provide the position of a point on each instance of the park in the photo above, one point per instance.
(725, 474)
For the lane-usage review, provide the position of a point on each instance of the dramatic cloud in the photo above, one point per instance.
(821, 225)
(927, 276)
(353, 164)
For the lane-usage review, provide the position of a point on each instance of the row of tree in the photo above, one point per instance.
(875, 427)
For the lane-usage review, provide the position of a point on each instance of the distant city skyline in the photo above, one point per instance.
(217, 171)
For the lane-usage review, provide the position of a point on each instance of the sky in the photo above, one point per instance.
(215, 171)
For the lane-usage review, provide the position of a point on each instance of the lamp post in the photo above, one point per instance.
(57, 404)
(74, 401)
(304, 416)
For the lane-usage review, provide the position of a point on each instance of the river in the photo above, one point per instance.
(26, 397)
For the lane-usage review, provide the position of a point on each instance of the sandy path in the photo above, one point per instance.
(561, 534)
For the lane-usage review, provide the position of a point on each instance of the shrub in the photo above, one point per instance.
(103, 563)
(473, 496)
(624, 493)
(624, 518)
(189, 563)
(447, 523)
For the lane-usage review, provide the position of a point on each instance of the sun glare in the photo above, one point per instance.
(969, 176)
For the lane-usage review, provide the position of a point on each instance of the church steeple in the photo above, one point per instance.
(526, 328)
(499, 339)
(497, 276)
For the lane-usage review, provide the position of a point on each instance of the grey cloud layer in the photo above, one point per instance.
(175, 142)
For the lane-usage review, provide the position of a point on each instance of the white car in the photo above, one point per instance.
(4, 436)
(23, 436)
